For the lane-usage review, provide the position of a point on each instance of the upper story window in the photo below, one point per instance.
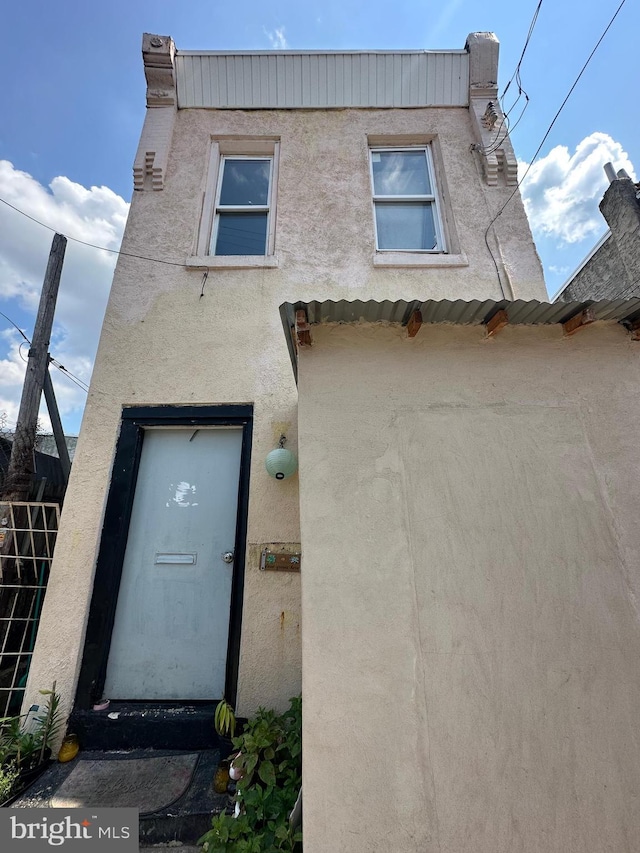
(407, 217)
(242, 206)
(236, 229)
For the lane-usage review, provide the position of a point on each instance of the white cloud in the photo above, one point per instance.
(11, 375)
(559, 270)
(276, 38)
(96, 215)
(562, 190)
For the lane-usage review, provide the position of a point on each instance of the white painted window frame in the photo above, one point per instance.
(241, 208)
(253, 148)
(440, 247)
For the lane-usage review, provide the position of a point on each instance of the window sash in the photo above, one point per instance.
(244, 208)
(431, 199)
(240, 233)
(406, 227)
(406, 173)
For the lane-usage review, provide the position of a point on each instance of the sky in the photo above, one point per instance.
(73, 103)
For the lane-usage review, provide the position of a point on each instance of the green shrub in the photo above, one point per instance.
(271, 759)
(8, 776)
(22, 750)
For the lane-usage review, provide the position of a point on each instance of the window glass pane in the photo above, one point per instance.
(245, 182)
(400, 173)
(405, 226)
(242, 234)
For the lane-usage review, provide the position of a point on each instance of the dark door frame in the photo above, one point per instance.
(115, 530)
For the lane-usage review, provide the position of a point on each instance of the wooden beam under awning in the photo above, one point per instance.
(579, 321)
(302, 329)
(413, 326)
(499, 320)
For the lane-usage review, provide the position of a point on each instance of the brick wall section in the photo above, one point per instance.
(153, 151)
(601, 277)
(614, 270)
(621, 209)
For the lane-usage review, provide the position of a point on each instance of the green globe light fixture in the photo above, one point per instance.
(281, 463)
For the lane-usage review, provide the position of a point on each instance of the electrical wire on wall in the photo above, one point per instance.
(546, 135)
(93, 245)
(498, 142)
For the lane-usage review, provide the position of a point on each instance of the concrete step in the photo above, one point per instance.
(146, 725)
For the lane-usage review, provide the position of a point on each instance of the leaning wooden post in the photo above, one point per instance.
(56, 425)
(18, 482)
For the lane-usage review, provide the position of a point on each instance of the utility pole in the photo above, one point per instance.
(20, 471)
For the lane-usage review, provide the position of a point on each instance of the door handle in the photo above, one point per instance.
(227, 557)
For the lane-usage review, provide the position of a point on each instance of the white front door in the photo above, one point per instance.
(171, 626)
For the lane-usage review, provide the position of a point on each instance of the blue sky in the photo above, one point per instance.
(74, 99)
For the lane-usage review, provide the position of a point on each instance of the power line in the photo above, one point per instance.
(17, 327)
(119, 251)
(544, 138)
(75, 379)
(69, 373)
(93, 245)
(516, 73)
(515, 76)
(497, 143)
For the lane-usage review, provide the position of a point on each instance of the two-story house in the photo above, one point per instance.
(357, 192)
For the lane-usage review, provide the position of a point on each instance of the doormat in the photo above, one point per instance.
(148, 784)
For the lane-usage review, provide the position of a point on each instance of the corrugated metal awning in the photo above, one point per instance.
(459, 312)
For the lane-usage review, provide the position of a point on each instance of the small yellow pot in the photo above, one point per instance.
(69, 749)
(221, 777)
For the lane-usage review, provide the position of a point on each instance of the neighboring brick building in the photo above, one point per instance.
(612, 269)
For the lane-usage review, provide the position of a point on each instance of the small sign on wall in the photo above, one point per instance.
(280, 557)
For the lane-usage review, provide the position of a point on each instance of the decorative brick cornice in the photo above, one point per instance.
(489, 125)
(158, 54)
(150, 165)
(493, 145)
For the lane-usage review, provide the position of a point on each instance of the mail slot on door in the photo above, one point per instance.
(175, 559)
(281, 558)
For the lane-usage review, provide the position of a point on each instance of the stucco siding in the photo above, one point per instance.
(471, 630)
(171, 336)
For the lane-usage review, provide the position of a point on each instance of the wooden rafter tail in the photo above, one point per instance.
(413, 326)
(579, 321)
(497, 323)
(303, 329)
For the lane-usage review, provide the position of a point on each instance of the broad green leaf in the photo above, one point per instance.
(267, 773)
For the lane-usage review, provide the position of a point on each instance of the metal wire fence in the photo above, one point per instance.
(28, 534)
